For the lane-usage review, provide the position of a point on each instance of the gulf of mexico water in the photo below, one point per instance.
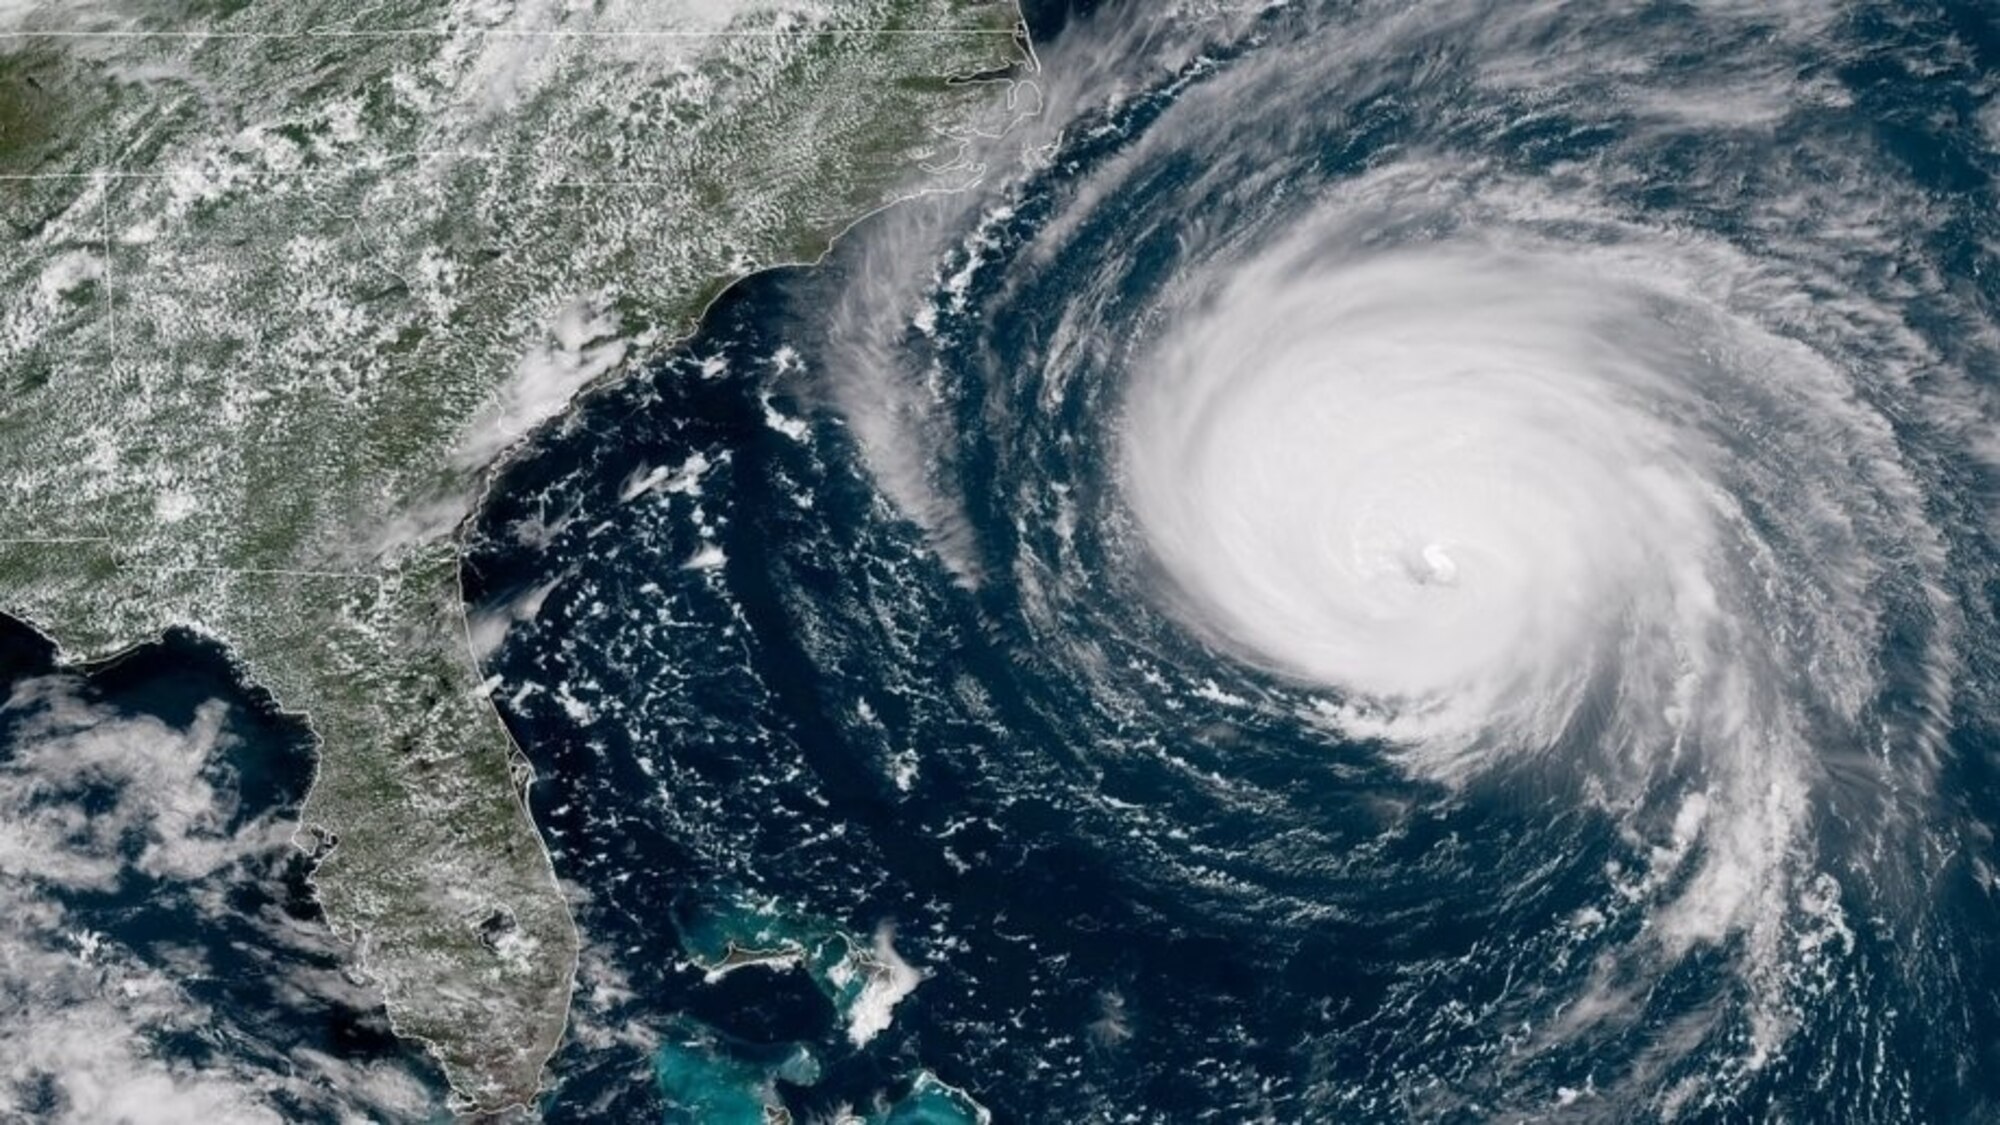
(1387, 564)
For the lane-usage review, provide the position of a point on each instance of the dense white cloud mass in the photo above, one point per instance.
(1594, 459)
(1547, 486)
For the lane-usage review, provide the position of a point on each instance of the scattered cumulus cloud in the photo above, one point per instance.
(123, 843)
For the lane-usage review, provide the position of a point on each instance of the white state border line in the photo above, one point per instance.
(1016, 31)
(109, 250)
(376, 162)
(512, 33)
(521, 770)
(189, 568)
(354, 168)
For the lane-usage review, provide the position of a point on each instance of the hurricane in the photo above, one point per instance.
(1383, 563)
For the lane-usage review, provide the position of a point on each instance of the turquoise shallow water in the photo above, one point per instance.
(911, 762)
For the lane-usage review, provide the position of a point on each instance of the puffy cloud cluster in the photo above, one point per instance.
(149, 971)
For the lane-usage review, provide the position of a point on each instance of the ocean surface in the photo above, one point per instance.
(1387, 564)
(164, 958)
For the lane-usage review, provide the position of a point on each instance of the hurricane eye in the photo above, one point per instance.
(1368, 562)
(1434, 566)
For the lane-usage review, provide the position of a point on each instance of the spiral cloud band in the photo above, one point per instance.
(1369, 424)
(1531, 490)
(1431, 479)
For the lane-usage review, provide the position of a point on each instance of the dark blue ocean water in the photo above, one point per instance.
(166, 960)
(769, 706)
